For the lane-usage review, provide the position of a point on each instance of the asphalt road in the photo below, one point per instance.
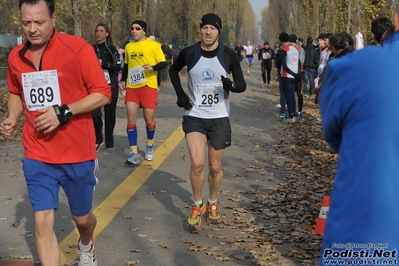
(141, 211)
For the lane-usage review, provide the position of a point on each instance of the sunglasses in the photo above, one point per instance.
(136, 28)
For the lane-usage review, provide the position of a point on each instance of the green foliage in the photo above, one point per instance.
(3, 73)
(341, 18)
(311, 17)
(176, 21)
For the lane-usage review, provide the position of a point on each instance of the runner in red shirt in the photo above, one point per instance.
(55, 81)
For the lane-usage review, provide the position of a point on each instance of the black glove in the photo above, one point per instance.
(184, 101)
(227, 84)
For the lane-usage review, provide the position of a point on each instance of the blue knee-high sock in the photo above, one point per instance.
(132, 134)
(150, 133)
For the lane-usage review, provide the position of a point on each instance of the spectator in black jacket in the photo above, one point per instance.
(310, 65)
(110, 61)
(265, 56)
(239, 51)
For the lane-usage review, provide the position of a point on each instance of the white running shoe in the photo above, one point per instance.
(289, 120)
(149, 156)
(87, 258)
(133, 159)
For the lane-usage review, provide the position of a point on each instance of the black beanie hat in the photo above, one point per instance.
(141, 23)
(284, 37)
(292, 38)
(266, 43)
(211, 19)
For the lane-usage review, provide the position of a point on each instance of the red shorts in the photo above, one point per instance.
(145, 97)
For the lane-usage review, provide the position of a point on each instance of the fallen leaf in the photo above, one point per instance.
(21, 257)
(131, 263)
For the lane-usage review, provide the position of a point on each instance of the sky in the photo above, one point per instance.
(257, 6)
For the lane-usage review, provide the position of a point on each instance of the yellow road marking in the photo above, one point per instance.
(110, 207)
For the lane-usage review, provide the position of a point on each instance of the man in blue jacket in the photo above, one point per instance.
(362, 223)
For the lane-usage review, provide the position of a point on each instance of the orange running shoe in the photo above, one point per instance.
(213, 213)
(194, 220)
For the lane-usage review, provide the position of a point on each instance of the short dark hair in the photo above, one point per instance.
(49, 3)
(328, 35)
(309, 40)
(349, 38)
(379, 26)
(339, 41)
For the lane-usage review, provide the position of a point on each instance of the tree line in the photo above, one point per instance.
(174, 21)
(312, 17)
(177, 21)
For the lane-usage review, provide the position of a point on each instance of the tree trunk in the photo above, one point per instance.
(77, 17)
(348, 23)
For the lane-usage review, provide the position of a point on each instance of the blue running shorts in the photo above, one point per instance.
(44, 180)
(250, 59)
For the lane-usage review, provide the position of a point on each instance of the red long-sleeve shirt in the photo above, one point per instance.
(79, 74)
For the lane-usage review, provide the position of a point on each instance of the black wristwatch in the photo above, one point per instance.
(233, 86)
(67, 113)
(63, 113)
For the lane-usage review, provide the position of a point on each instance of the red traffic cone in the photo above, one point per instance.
(321, 221)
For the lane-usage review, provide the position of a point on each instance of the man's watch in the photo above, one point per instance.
(233, 86)
(63, 113)
(67, 113)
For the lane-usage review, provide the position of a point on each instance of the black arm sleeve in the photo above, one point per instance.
(236, 71)
(260, 54)
(159, 66)
(124, 72)
(282, 55)
(174, 70)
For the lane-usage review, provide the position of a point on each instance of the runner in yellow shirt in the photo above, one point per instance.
(143, 58)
